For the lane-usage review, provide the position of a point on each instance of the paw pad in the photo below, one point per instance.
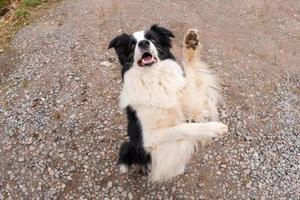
(191, 39)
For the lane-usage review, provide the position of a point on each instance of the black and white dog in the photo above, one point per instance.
(160, 97)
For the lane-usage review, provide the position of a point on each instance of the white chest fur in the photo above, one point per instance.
(157, 86)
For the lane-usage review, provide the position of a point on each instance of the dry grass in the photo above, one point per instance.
(15, 14)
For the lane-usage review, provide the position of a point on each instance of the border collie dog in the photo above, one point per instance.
(167, 106)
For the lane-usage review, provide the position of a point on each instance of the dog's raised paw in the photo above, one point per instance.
(192, 39)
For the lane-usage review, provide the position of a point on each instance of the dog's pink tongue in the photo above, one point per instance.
(148, 59)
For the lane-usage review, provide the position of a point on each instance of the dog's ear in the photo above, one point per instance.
(118, 41)
(162, 30)
(164, 33)
(120, 44)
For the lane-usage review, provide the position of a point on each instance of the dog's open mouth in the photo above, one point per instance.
(147, 59)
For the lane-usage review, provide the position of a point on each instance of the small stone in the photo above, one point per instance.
(112, 59)
(248, 138)
(106, 64)
(21, 159)
(72, 116)
(124, 194)
(224, 113)
(109, 184)
(173, 189)
(31, 148)
(120, 189)
(130, 195)
(83, 85)
(247, 171)
(248, 185)
(120, 127)
(100, 138)
(50, 171)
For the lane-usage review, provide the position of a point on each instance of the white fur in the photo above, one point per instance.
(155, 93)
(200, 83)
(156, 86)
(139, 35)
(202, 92)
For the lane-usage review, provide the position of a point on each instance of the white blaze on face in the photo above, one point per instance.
(138, 53)
(140, 35)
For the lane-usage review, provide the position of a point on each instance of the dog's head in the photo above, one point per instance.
(143, 48)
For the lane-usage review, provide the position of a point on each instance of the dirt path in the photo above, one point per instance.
(61, 128)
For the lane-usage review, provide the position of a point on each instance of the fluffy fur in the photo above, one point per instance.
(201, 82)
(158, 99)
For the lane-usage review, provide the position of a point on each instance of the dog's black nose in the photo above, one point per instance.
(144, 44)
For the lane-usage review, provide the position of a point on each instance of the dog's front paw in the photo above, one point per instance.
(219, 129)
(214, 130)
(191, 39)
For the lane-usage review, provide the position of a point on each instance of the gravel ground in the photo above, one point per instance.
(60, 123)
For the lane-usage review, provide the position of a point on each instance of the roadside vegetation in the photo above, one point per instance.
(15, 14)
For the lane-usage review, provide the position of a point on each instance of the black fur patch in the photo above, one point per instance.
(124, 46)
(133, 152)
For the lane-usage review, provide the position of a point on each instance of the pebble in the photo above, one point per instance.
(130, 195)
(124, 193)
(109, 184)
(105, 64)
(50, 171)
(120, 189)
(223, 166)
(21, 159)
(247, 171)
(248, 185)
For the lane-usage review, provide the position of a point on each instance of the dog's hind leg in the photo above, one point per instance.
(132, 154)
(191, 48)
(125, 157)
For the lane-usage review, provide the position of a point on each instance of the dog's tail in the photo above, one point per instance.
(191, 48)
(170, 159)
